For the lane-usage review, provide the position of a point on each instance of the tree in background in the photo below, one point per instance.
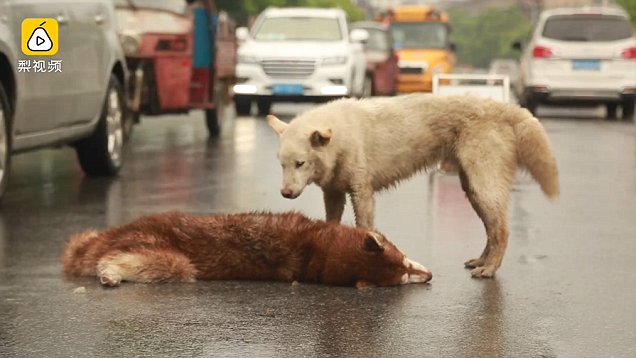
(241, 11)
(630, 6)
(488, 35)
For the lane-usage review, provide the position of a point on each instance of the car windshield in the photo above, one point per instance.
(419, 35)
(299, 29)
(176, 6)
(378, 40)
(585, 28)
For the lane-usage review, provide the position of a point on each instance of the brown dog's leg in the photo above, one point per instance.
(145, 266)
(334, 204)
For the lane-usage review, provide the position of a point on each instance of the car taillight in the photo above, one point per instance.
(541, 52)
(629, 53)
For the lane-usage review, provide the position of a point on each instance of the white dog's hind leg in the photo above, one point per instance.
(334, 204)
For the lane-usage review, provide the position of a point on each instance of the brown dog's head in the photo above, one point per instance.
(367, 260)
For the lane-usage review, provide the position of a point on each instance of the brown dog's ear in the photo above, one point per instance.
(276, 124)
(373, 242)
(321, 138)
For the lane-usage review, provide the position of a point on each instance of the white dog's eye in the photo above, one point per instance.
(299, 164)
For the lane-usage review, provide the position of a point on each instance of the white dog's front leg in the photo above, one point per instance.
(363, 206)
(334, 204)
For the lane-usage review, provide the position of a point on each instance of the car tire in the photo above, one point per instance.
(5, 140)
(367, 87)
(264, 107)
(101, 154)
(530, 104)
(611, 110)
(628, 110)
(242, 105)
(213, 123)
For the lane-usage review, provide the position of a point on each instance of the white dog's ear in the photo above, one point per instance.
(321, 138)
(276, 124)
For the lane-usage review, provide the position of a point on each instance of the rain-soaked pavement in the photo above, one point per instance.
(567, 287)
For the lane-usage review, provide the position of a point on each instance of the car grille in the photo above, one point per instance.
(289, 68)
(411, 70)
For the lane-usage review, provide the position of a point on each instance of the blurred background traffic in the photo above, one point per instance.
(123, 60)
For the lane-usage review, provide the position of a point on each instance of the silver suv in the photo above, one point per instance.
(580, 56)
(69, 92)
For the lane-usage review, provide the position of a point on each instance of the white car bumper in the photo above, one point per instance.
(327, 81)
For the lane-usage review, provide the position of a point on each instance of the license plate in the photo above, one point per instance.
(590, 65)
(288, 89)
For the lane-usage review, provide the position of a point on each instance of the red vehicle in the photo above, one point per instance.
(181, 55)
(382, 62)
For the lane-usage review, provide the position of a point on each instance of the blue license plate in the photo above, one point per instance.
(590, 65)
(288, 89)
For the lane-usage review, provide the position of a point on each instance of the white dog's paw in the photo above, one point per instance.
(483, 271)
(472, 263)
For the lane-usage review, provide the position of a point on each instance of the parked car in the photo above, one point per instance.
(382, 61)
(580, 56)
(299, 54)
(75, 96)
(180, 56)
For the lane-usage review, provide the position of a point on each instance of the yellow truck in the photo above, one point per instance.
(421, 35)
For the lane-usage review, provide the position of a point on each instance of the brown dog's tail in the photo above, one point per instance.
(78, 258)
(535, 154)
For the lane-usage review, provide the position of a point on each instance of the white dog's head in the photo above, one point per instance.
(299, 154)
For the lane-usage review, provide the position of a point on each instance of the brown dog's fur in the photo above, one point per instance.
(253, 246)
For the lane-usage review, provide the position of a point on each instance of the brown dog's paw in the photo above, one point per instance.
(483, 271)
(472, 263)
(109, 279)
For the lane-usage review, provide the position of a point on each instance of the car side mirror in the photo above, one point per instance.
(516, 46)
(452, 47)
(242, 33)
(359, 35)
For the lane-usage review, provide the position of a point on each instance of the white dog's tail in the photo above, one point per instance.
(535, 154)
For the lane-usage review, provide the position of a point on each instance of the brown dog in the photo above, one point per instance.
(255, 246)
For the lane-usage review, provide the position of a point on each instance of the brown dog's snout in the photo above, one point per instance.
(287, 193)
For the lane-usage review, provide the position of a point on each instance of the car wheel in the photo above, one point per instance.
(367, 87)
(213, 123)
(611, 110)
(264, 106)
(242, 105)
(5, 140)
(101, 154)
(530, 104)
(628, 110)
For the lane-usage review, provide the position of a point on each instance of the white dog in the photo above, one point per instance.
(362, 146)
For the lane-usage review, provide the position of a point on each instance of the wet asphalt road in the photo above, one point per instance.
(566, 288)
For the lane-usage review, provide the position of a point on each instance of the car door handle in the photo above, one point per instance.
(99, 19)
(61, 19)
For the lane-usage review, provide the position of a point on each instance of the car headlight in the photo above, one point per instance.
(130, 43)
(336, 60)
(247, 59)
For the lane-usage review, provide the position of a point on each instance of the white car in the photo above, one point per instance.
(299, 54)
(70, 90)
(580, 56)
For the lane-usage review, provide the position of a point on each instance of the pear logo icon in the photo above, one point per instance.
(40, 41)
